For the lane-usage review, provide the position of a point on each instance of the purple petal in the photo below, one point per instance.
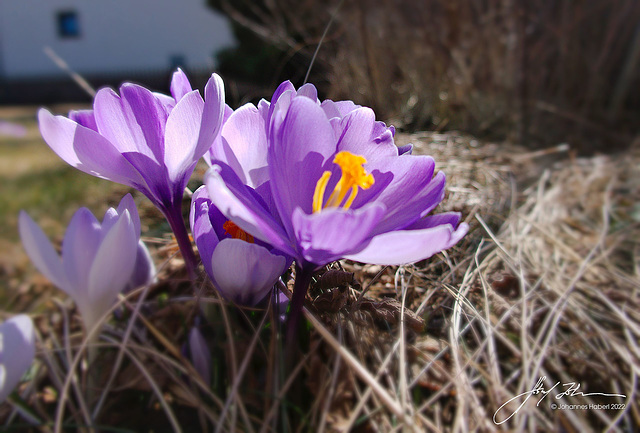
(213, 115)
(408, 246)
(235, 201)
(406, 187)
(17, 350)
(180, 85)
(297, 154)
(41, 253)
(111, 270)
(200, 355)
(284, 87)
(338, 109)
(406, 149)
(278, 111)
(217, 143)
(118, 121)
(86, 150)
(245, 272)
(203, 234)
(85, 118)
(109, 219)
(361, 136)
(156, 185)
(127, 203)
(79, 248)
(150, 116)
(244, 146)
(183, 130)
(451, 218)
(167, 101)
(144, 271)
(327, 235)
(310, 91)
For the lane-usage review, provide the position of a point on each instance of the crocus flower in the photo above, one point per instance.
(242, 141)
(338, 187)
(242, 268)
(200, 354)
(12, 129)
(99, 260)
(17, 350)
(145, 140)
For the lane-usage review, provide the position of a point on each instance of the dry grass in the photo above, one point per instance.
(545, 284)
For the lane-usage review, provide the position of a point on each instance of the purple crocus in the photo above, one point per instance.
(11, 129)
(200, 354)
(99, 260)
(17, 350)
(338, 186)
(242, 142)
(145, 140)
(242, 268)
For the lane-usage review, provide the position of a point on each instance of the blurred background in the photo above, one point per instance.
(536, 72)
(533, 72)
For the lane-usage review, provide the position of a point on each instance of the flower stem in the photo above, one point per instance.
(174, 217)
(92, 372)
(300, 287)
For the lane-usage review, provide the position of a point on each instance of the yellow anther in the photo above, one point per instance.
(353, 176)
(318, 194)
(236, 232)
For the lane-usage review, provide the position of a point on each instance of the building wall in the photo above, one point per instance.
(115, 36)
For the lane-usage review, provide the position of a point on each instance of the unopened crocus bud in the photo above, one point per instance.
(17, 350)
(200, 354)
(241, 268)
(99, 260)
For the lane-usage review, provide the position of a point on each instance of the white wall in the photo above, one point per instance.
(116, 35)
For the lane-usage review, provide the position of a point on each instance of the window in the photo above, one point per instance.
(68, 24)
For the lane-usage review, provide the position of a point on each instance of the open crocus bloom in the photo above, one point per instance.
(145, 140)
(242, 268)
(324, 181)
(98, 260)
(17, 350)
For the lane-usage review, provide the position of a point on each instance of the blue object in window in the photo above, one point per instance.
(68, 24)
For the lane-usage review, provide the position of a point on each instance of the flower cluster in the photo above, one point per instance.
(294, 179)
